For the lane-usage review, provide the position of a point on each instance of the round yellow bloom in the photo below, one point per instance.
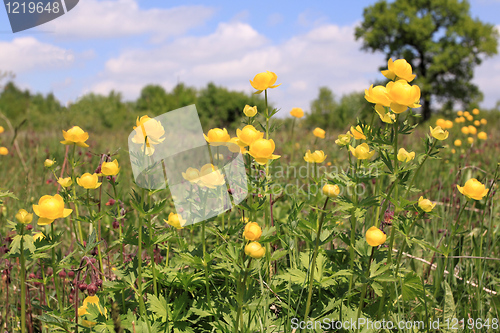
(470, 140)
(477, 123)
(3, 151)
(75, 135)
(470, 118)
(472, 130)
(441, 123)
(317, 157)
(319, 133)
(331, 191)
(448, 124)
(48, 163)
(400, 69)
(425, 204)
(88, 181)
(344, 139)
(263, 81)
(297, 112)
(403, 96)
(385, 116)
(405, 156)
(465, 130)
(24, 217)
(457, 143)
(252, 231)
(148, 132)
(377, 95)
(453, 151)
(192, 175)
(357, 132)
(2, 129)
(475, 111)
(248, 135)
(262, 150)
(439, 133)
(110, 168)
(375, 237)
(50, 208)
(484, 121)
(91, 300)
(362, 151)
(65, 182)
(176, 221)
(255, 250)
(210, 176)
(466, 114)
(234, 147)
(473, 189)
(460, 113)
(38, 236)
(250, 111)
(216, 136)
(482, 136)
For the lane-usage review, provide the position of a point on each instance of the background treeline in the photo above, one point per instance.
(217, 107)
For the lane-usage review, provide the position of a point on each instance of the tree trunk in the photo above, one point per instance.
(426, 107)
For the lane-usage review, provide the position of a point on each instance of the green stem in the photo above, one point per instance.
(142, 307)
(74, 194)
(313, 262)
(365, 285)
(241, 294)
(403, 246)
(54, 270)
(205, 263)
(151, 252)
(23, 284)
(420, 167)
(353, 235)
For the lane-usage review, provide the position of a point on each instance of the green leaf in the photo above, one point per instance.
(29, 243)
(158, 306)
(412, 287)
(15, 245)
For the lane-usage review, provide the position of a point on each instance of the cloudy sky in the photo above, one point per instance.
(123, 45)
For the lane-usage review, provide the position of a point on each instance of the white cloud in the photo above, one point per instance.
(122, 18)
(27, 54)
(487, 80)
(327, 55)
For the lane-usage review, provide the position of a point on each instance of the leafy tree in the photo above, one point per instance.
(439, 38)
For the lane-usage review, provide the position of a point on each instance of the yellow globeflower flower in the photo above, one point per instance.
(50, 208)
(192, 175)
(2, 129)
(475, 112)
(400, 69)
(234, 147)
(477, 123)
(448, 124)
(148, 132)
(88, 181)
(252, 231)
(48, 163)
(248, 135)
(460, 113)
(453, 151)
(484, 121)
(38, 236)
(250, 111)
(362, 151)
(470, 118)
(65, 182)
(465, 130)
(375, 237)
(262, 150)
(24, 217)
(470, 140)
(441, 123)
(357, 132)
(344, 139)
(439, 133)
(255, 250)
(405, 156)
(385, 116)
(263, 81)
(466, 114)
(473, 189)
(472, 130)
(482, 136)
(217, 136)
(317, 157)
(3, 151)
(210, 176)
(176, 221)
(425, 204)
(91, 300)
(457, 143)
(297, 112)
(319, 133)
(75, 135)
(110, 168)
(377, 95)
(403, 96)
(331, 191)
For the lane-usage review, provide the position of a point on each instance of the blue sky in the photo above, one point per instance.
(123, 45)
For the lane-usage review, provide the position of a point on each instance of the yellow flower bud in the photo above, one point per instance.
(457, 143)
(252, 231)
(400, 69)
(75, 135)
(473, 189)
(482, 136)
(362, 151)
(466, 114)
(2, 129)
(448, 124)
(453, 151)
(472, 130)
(110, 168)
(50, 208)
(425, 204)
(439, 133)
(250, 111)
(344, 139)
(216, 136)
(331, 191)
(405, 156)
(460, 113)
(88, 181)
(470, 140)
(176, 221)
(317, 157)
(65, 182)
(248, 135)
(465, 130)
(357, 132)
(475, 111)
(255, 250)
(262, 150)
(441, 123)
(477, 123)
(263, 81)
(319, 133)
(3, 151)
(375, 237)
(297, 112)
(470, 118)
(484, 121)
(24, 217)
(48, 163)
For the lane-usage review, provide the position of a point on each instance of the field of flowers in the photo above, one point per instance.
(391, 225)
